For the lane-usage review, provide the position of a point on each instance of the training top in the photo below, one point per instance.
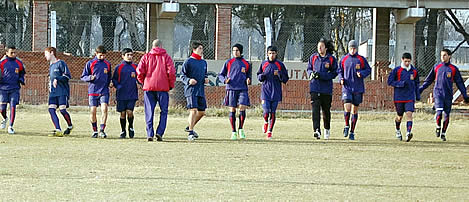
(327, 68)
(444, 74)
(194, 69)
(405, 83)
(238, 70)
(102, 70)
(271, 89)
(348, 67)
(59, 70)
(12, 73)
(125, 81)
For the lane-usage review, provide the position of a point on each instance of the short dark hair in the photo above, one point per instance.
(239, 46)
(196, 44)
(101, 49)
(8, 47)
(407, 56)
(272, 48)
(126, 50)
(447, 51)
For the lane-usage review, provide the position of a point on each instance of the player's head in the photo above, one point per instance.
(406, 59)
(10, 51)
(352, 47)
(325, 46)
(50, 53)
(127, 54)
(237, 50)
(445, 55)
(157, 43)
(272, 53)
(100, 52)
(197, 48)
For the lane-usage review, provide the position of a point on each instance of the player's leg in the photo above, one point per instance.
(316, 114)
(347, 99)
(400, 113)
(273, 110)
(93, 103)
(266, 114)
(122, 118)
(3, 108)
(130, 119)
(149, 98)
(409, 108)
(439, 107)
(244, 102)
(104, 100)
(163, 100)
(357, 99)
(447, 110)
(63, 104)
(326, 102)
(53, 101)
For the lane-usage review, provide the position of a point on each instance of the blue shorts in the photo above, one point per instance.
(196, 102)
(233, 98)
(354, 98)
(269, 106)
(10, 96)
(123, 105)
(402, 107)
(59, 100)
(95, 101)
(443, 105)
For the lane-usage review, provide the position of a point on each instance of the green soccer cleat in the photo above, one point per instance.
(242, 135)
(56, 133)
(234, 135)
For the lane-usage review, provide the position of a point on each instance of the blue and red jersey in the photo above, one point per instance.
(102, 71)
(238, 70)
(406, 84)
(194, 69)
(59, 71)
(125, 81)
(348, 67)
(327, 69)
(271, 89)
(444, 75)
(12, 73)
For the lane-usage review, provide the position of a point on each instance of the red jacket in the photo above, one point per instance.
(156, 71)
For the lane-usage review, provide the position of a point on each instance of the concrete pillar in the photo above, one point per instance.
(40, 22)
(160, 24)
(380, 50)
(152, 17)
(223, 32)
(405, 31)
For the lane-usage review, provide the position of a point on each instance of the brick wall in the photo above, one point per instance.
(223, 32)
(40, 24)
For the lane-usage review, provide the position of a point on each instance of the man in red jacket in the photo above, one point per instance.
(157, 74)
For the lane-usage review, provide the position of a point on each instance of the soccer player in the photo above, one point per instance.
(353, 69)
(405, 81)
(157, 74)
(98, 73)
(194, 76)
(444, 74)
(12, 76)
(124, 80)
(272, 73)
(322, 69)
(59, 91)
(236, 74)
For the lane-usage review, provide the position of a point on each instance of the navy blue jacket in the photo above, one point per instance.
(194, 69)
(12, 73)
(348, 67)
(444, 75)
(271, 89)
(59, 70)
(405, 83)
(238, 70)
(102, 70)
(125, 81)
(327, 69)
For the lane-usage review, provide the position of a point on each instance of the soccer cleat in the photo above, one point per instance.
(11, 130)
(159, 137)
(187, 129)
(102, 134)
(191, 137)
(408, 136)
(351, 136)
(131, 133)
(56, 133)
(94, 135)
(265, 127)
(242, 135)
(327, 134)
(122, 135)
(196, 135)
(346, 131)
(443, 137)
(234, 135)
(317, 134)
(3, 125)
(68, 130)
(269, 135)
(150, 139)
(399, 135)
(438, 132)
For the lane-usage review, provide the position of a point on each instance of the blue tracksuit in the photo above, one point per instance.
(444, 75)
(327, 69)
(405, 83)
(102, 70)
(272, 84)
(194, 69)
(238, 70)
(59, 70)
(125, 81)
(12, 74)
(348, 67)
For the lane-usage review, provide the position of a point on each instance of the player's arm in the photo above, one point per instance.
(142, 69)
(283, 74)
(428, 81)
(86, 75)
(460, 84)
(417, 83)
(331, 74)
(115, 77)
(392, 81)
(366, 71)
(66, 75)
(222, 76)
(185, 76)
(340, 72)
(21, 75)
(249, 74)
(260, 74)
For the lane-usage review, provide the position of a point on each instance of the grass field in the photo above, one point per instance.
(293, 166)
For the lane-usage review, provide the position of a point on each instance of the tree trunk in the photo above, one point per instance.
(430, 48)
(313, 29)
(108, 23)
(28, 36)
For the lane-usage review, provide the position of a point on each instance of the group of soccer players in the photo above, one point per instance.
(157, 75)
